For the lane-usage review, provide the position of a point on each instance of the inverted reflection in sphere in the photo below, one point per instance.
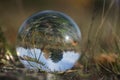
(49, 41)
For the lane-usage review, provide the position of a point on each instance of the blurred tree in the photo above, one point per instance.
(2, 46)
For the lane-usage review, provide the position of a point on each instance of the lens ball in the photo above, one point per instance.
(49, 41)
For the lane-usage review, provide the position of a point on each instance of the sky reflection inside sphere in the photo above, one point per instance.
(67, 62)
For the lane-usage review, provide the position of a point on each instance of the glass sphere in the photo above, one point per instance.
(49, 41)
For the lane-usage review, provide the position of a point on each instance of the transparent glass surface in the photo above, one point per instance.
(49, 41)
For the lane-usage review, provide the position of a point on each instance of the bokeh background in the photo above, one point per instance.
(14, 12)
(88, 14)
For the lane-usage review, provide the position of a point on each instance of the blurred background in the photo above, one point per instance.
(86, 13)
(14, 12)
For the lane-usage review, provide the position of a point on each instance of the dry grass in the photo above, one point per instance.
(101, 51)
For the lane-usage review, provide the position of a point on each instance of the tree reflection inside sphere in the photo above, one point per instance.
(49, 41)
